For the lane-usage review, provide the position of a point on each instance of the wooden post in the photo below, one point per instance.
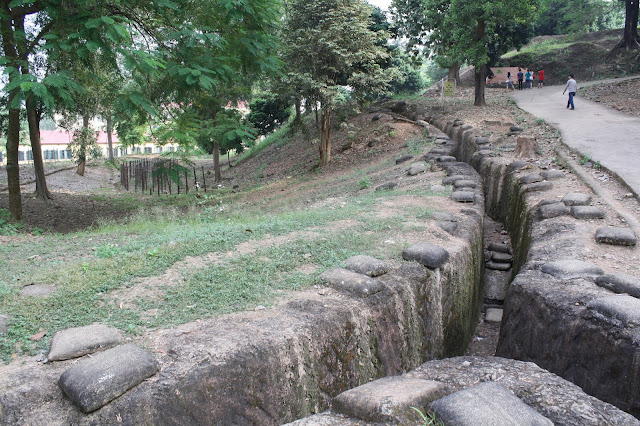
(195, 179)
(204, 182)
(186, 182)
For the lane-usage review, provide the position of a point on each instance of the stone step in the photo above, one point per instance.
(352, 282)
(616, 236)
(488, 403)
(79, 341)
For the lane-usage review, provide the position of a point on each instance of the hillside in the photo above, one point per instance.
(589, 56)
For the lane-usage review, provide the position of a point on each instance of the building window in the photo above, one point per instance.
(30, 155)
(69, 153)
(138, 150)
(20, 155)
(147, 150)
(159, 150)
(171, 149)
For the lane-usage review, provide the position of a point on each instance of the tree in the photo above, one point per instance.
(464, 31)
(631, 38)
(329, 45)
(575, 16)
(40, 31)
(268, 112)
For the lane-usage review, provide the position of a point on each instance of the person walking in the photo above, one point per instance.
(509, 81)
(520, 78)
(540, 79)
(572, 87)
(528, 80)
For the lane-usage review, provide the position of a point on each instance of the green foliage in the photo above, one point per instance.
(6, 226)
(229, 130)
(407, 78)
(268, 112)
(577, 16)
(328, 44)
(84, 145)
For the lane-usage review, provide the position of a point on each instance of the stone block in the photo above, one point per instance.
(498, 266)
(387, 186)
(538, 186)
(450, 227)
(446, 159)
(488, 403)
(79, 341)
(552, 210)
(417, 168)
(463, 196)
(388, 399)
(351, 282)
(569, 269)
(37, 290)
(616, 236)
(493, 315)
(552, 174)
(620, 283)
(403, 159)
(495, 284)
(444, 216)
(427, 254)
(450, 180)
(516, 165)
(516, 129)
(587, 212)
(577, 199)
(95, 381)
(497, 256)
(622, 309)
(482, 140)
(367, 265)
(530, 178)
(499, 247)
(464, 183)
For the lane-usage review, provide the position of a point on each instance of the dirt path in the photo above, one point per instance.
(604, 135)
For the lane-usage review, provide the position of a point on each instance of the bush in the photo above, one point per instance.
(268, 113)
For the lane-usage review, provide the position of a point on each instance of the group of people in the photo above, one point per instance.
(525, 80)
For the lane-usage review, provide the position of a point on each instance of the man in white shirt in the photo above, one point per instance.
(572, 87)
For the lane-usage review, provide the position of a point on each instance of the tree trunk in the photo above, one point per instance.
(480, 69)
(13, 169)
(216, 162)
(33, 120)
(480, 75)
(13, 126)
(315, 108)
(109, 139)
(298, 118)
(325, 137)
(454, 73)
(82, 159)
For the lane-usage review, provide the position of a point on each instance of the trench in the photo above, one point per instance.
(290, 362)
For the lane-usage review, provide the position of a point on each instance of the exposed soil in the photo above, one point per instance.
(623, 96)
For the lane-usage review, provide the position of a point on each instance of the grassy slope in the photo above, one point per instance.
(585, 55)
(96, 272)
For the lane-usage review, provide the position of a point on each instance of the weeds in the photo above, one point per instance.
(428, 419)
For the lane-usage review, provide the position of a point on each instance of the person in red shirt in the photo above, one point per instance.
(540, 79)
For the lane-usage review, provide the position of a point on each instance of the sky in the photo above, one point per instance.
(382, 4)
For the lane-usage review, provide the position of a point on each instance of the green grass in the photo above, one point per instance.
(87, 267)
(542, 48)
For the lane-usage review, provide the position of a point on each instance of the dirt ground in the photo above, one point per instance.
(623, 96)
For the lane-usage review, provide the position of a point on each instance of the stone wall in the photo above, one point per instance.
(560, 312)
(280, 364)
